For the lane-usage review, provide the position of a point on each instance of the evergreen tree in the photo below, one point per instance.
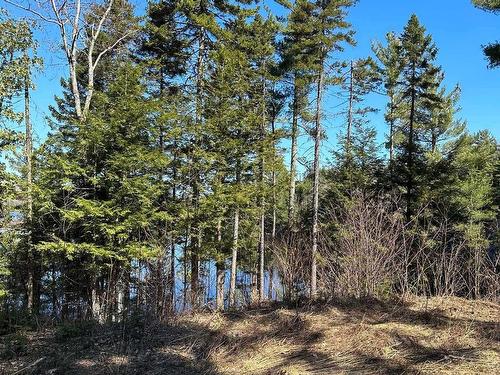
(237, 117)
(296, 61)
(100, 193)
(203, 26)
(17, 60)
(390, 69)
(357, 159)
(164, 46)
(164, 53)
(419, 80)
(328, 28)
(228, 119)
(439, 137)
(470, 195)
(260, 47)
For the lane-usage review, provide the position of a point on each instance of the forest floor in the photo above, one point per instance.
(434, 336)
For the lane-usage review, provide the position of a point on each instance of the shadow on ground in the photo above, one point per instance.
(266, 341)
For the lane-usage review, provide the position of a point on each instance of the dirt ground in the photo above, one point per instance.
(434, 336)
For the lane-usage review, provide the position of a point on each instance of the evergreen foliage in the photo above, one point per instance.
(181, 186)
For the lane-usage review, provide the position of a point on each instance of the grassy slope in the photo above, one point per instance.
(436, 336)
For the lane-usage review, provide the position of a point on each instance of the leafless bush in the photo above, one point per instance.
(491, 277)
(443, 260)
(291, 259)
(435, 261)
(364, 248)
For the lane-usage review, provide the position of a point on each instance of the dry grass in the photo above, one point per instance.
(435, 336)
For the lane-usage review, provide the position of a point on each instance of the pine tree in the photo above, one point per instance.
(164, 52)
(164, 46)
(443, 125)
(204, 22)
(17, 60)
(438, 139)
(357, 159)
(296, 60)
(419, 81)
(328, 28)
(237, 122)
(260, 47)
(101, 191)
(391, 65)
(470, 195)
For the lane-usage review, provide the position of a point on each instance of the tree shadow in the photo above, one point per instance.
(121, 349)
(194, 346)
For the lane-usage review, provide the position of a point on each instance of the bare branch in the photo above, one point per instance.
(33, 11)
(111, 47)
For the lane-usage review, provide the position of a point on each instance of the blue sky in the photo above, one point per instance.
(458, 30)
(457, 27)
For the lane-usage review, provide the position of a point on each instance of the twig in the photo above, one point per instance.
(27, 367)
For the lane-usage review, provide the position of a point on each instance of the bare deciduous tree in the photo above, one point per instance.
(76, 34)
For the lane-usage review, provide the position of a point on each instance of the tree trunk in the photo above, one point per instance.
(273, 226)
(220, 273)
(32, 283)
(350, 116)
(74, 88)
(261, 274)
(219, 287)
(96, 301)
(28, 148)
(391, 141)
(120, 301)
(187, 240)
(409, 183)
(234, 257)
(293, 155)
(172, 275)
(434, 141)
(391, 129)
(195, 277)
(195, 250)
(316, 167)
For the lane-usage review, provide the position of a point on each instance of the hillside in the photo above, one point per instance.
(436, 336)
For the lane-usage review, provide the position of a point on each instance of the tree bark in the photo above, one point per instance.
(409, 183)
(220, 273)
(261, 272)
(172, 276)
(219, 295)
(273, 225)
(187, 240)
(234, 258)
(293, 155)
(32, 283)
(172, 249)
(391, 137)
(195, 276)
(316, 167)
(195, 250)
(234, 255)
(350, 116)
